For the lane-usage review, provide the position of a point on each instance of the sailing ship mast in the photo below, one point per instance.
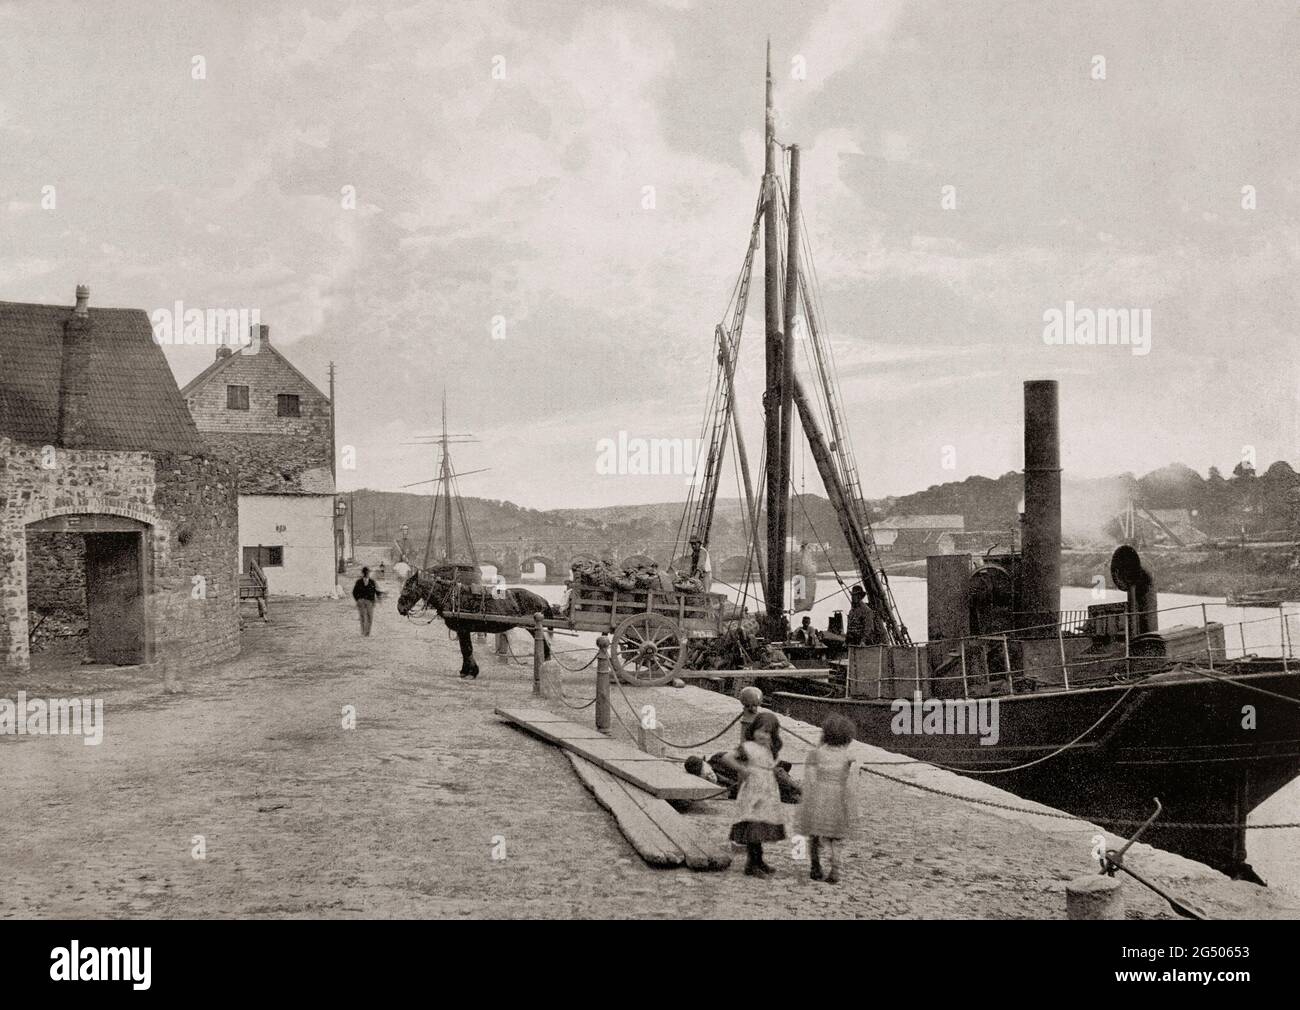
(442, 499)
(774, 398)
(784, 397)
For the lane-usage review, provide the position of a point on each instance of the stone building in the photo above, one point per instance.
(117, 525)
(255, 408)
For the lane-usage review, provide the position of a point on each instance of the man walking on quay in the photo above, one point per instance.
(365, 592)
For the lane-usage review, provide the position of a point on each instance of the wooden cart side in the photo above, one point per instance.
(697, 614)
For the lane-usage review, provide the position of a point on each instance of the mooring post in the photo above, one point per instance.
(1095, 897)
(539, 652)
(602, 683)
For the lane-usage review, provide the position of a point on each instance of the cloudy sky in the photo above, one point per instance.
(500, 156)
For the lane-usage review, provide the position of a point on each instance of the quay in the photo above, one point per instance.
(246, 794)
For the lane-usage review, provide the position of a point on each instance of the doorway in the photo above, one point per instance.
(114, 599)
(113, 574)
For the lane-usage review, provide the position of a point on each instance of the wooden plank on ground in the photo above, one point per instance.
(661, 778)
(649, 840)
(537, 715)
(700, 853)
(661, 835)
(606, 749)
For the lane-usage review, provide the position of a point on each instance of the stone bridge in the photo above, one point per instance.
(551, 558)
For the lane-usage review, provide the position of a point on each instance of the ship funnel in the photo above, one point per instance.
(1127, 573)
(1040, 570)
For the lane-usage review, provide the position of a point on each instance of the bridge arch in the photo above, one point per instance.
(528, 568)
(734, 566)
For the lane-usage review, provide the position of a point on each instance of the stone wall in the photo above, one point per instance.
(196, 585)
(190, 505)
(56, 586)
(275, 455)
(265, 374)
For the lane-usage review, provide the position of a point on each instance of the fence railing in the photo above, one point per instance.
(1271, 638)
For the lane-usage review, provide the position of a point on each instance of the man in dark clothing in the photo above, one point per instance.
(862, 621)
(366, 592)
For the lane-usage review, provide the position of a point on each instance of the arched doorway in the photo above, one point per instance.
(90, 573)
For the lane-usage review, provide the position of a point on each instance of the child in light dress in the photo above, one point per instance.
(827, 813)
(759, 798)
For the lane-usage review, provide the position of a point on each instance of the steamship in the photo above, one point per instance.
(1099, 712)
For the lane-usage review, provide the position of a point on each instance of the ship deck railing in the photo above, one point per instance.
(1077, 625)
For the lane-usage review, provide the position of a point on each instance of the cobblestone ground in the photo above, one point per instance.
(399, 816)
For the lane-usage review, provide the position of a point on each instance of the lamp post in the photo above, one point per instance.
(405, 546)
(340, 510)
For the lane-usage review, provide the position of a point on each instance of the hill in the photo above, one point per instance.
(1242, 506)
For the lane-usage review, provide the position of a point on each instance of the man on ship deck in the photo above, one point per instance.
(862, 628)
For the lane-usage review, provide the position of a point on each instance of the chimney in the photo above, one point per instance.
(259, 334)
(1040, 567)
(74, 374)
(224, 352)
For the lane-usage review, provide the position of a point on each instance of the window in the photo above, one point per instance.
(263, 557)
(287, 405)
(236, 397)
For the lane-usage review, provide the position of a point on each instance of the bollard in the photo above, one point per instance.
(539, 651)
(1094, 897)
(503, 649)
(602, 684)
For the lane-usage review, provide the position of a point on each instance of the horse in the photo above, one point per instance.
(434, 589)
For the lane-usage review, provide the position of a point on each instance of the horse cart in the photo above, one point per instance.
(653, 630)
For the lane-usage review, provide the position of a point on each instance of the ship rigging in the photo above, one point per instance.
(793, 319)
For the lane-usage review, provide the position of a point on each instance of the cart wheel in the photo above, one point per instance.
(648, 650)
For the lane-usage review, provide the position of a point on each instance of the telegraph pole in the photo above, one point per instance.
(334, 502)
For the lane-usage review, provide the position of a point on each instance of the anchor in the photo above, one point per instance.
(1114, 860)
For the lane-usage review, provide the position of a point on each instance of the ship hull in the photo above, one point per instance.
(1211, 751)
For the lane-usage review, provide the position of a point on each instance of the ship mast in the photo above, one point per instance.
(442, 498)
(774, 397)
(446, 479)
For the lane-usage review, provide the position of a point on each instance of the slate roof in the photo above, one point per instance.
(132, 402)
